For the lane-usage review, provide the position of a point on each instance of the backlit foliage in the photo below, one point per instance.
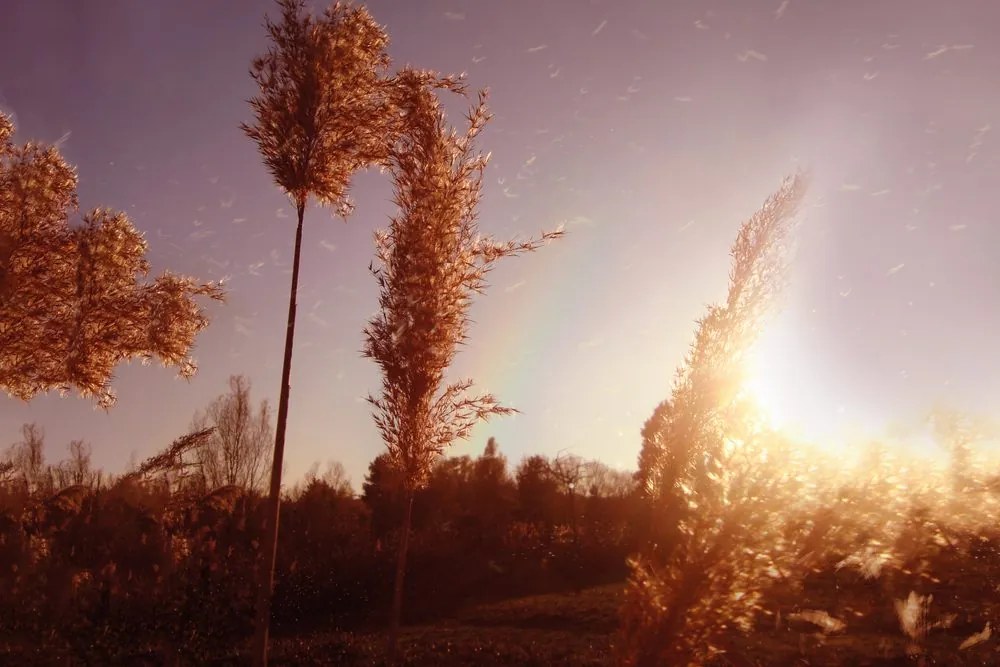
(431, 262)
(753, 533)
(174, 458)
(688, 424)
(73, 299)
(711, 474)
(322, 112)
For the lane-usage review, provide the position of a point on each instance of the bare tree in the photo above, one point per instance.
(569, 470)
(717, 533)
(77, 466)
(321, 115)
(606, 482)
(27, 457)
(237, 453)
(6, 471)
(73, 301)
(334, 476)
(432, 261)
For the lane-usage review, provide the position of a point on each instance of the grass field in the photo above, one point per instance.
(564, 629)
(579, 629)
(555, 629)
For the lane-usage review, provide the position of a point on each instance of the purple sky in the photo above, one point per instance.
(652, 129)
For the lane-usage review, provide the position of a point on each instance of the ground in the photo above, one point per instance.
(564, 629)
(557, 629)
(579, 629)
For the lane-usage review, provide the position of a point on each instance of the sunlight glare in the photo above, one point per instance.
(791, 390)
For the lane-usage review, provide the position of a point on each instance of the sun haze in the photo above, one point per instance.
(650, 129)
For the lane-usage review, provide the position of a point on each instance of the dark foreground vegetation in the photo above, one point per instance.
(730, 545)
(156, 566)
(582, 629)
(507, 569)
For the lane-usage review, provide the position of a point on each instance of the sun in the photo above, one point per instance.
(791, 388)
(764, 393)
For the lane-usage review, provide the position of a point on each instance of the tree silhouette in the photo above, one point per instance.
(27, 457)
(713, 500)
(381, 491)
(537, 491)
(321, 114)
(448, 496)
(492, 497)
(569, 470)
(76, 469)
(603, 481)
(334, 478)
(73, 302)
(237, 452)
(491, 482)
(431, 263)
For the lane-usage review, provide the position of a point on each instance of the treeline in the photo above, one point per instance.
(157, 563)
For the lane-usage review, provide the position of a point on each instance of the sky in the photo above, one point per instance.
(650, 129)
